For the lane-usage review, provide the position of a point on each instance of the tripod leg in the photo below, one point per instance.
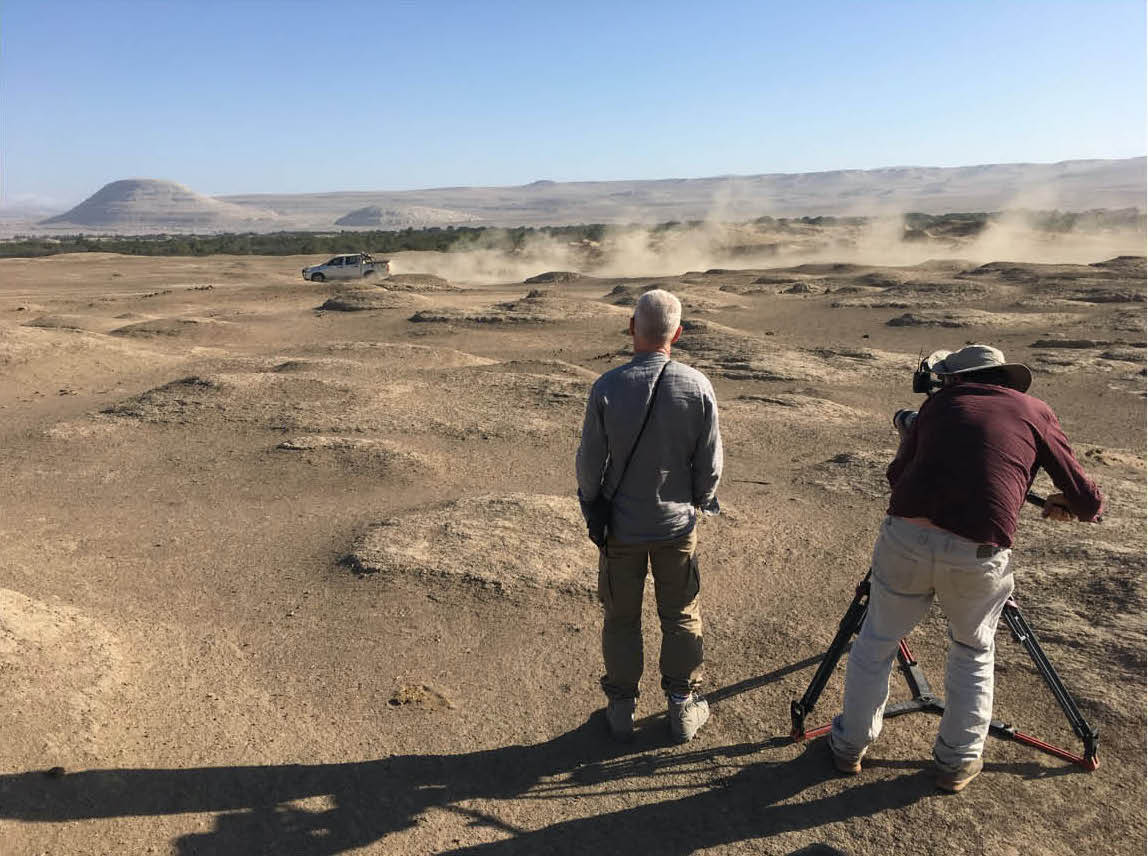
(1089, 735)
(849, 626)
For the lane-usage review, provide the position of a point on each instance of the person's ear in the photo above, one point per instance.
(631, 325)
(677, 335)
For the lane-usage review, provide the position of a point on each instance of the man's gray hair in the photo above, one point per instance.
(657, 316)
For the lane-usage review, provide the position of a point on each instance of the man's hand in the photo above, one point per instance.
(1056, 508)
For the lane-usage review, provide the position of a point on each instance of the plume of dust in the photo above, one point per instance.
(736, 233)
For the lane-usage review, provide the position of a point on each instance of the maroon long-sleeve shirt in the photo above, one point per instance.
(971, 456)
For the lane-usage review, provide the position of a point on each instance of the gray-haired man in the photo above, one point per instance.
(657, 486)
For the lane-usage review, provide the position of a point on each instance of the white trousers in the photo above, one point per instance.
(972, 582)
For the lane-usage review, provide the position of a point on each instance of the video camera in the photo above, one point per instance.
(924, 380)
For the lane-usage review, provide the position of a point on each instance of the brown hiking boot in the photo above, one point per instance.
(954, 779)
(620, 718)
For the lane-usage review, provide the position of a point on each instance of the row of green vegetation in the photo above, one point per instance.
(294, 243)
(435, 239)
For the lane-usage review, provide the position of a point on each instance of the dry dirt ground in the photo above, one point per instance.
(283, 580)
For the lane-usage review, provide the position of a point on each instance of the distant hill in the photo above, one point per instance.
(152, 205)
(376, 217)
(146, 205)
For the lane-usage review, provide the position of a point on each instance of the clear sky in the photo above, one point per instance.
(237, 96)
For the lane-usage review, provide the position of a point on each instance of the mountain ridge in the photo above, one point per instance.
(1073, 185)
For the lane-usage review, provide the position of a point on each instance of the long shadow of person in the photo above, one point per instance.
(753, 804)
(258, 808)
(363, 801)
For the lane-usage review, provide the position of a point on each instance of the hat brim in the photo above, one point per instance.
(1019, 375)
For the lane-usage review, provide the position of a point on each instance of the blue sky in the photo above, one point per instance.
(241, 96)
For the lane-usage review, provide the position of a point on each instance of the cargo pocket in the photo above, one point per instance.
(605, 593)
(693, 581)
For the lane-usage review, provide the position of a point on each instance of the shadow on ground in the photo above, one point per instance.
(370, 800)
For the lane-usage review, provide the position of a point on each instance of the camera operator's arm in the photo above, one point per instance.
(590, 462)
(1079, 496)
(707, 461)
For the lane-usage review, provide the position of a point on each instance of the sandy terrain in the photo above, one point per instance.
(277, 578)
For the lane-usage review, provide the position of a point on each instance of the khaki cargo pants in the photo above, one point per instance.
(621, 582)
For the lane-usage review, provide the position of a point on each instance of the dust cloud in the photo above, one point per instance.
(1020, 233)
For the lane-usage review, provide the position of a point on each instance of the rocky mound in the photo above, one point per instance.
(979, 318)
(147, 204)
(535, 308)
(692, 302)
(551, 368)
(506, 543)
(60, 322)
(365, 300)
(740, 356)
(553, 276)
(396, 460)
(418, 282)
(319, 397)
(196, 328)
(804, 288)
(800, 408)
(353, 353)
(46, 355)
(928, 294)
(414, 216)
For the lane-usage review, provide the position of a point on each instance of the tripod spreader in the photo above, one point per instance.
(924, 699)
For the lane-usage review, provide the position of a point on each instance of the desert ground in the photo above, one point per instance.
(290, 568)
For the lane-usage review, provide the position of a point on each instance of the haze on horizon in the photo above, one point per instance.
(263, 97)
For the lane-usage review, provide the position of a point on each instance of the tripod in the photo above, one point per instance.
(924, 699)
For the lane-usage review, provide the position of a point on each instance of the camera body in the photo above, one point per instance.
(924, 380)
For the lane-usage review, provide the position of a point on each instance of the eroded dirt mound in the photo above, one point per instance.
(59, 672)
(980, 318)
(797, 408)
(170, 327)
(857, 472)
(693, 300)
(1122, 367)
(740, 356)
(538, 308)
(62, 322)
(365, 300)
(505, 543)
(396, 354)
(553, 276)
(394, 459)
(418, 282)
(338, 397)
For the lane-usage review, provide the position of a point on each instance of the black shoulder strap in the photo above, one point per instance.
(645, 420)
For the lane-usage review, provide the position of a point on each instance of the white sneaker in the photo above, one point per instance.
(687, 717)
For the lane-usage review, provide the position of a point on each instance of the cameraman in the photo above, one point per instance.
(958, 481)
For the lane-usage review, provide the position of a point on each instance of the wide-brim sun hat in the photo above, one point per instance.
(975, 358)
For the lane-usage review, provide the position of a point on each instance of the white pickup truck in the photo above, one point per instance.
(350, 266)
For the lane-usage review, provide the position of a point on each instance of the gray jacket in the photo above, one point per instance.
(677, 464)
